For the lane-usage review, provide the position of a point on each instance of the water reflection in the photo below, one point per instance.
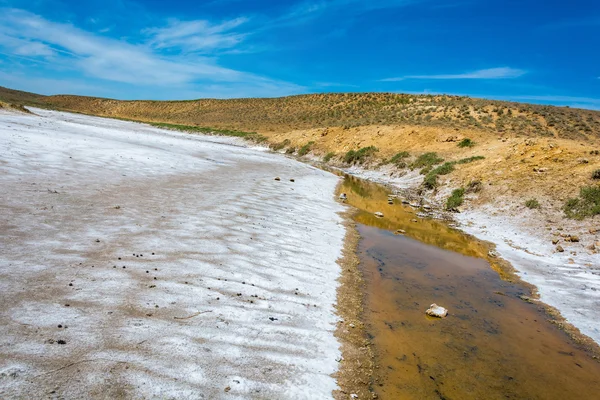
(491, 346)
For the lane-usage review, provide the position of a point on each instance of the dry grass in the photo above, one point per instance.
(346, 110)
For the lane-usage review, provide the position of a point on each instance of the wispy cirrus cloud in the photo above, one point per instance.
(142, 63)
(490, 73)
(197, 35)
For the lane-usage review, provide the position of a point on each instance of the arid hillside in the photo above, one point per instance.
(339, 110)
(517, 152)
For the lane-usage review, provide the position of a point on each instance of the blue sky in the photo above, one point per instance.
(531, 51)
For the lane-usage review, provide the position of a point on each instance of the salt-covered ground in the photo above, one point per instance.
(569, 281)
(141, 263)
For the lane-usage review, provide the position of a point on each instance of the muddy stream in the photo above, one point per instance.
(492, 345)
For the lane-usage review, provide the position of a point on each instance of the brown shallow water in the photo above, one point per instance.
(493, 345)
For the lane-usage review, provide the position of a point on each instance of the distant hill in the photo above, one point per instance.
(339, 110)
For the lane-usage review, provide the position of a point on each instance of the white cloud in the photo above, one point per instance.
(105, 58)
(197, 35)
(24, 47)
(490, 73)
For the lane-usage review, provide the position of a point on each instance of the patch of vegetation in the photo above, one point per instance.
(586, 205)
(290, 150)
(328, 156)
(431, 174)
(426, 160)
(280, 145)
(359, 156)
(430, 181)
(596, 174)
(456, 199)
(466, 142)
(532, 204)
(253, 136)
(470, 159)
(399, 158)
(305, 149)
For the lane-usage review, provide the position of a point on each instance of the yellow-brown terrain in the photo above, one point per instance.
(531, 151)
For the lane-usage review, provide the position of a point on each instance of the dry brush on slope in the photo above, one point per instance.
(340, 110)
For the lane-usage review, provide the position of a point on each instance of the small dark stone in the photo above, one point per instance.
(154, 278)
(273, 319)
(141, 255)
(60, 326)
(152, 253)
(70, 284)
(60, 341)
(124, 267)
(147, 272)
(218, 298)
(114, 266)
(67, 305)
(119, 258)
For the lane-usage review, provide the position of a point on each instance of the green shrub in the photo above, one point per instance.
(430, 180)
(444, 169)
(470, 159)
(290, 150)
(398, 159)
(350, 156)
(280, 145)
(456, 199)
(426, 160)
(466, 143)
(532, 203)
(328, 156)
(359, 156)
(586, 205)
(305, 149)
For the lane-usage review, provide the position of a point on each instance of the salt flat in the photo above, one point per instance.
(174, 264)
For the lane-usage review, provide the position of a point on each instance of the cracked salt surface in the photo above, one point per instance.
(239, 292)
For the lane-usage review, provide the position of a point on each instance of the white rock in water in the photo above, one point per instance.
(379, 214)
(436, 311)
